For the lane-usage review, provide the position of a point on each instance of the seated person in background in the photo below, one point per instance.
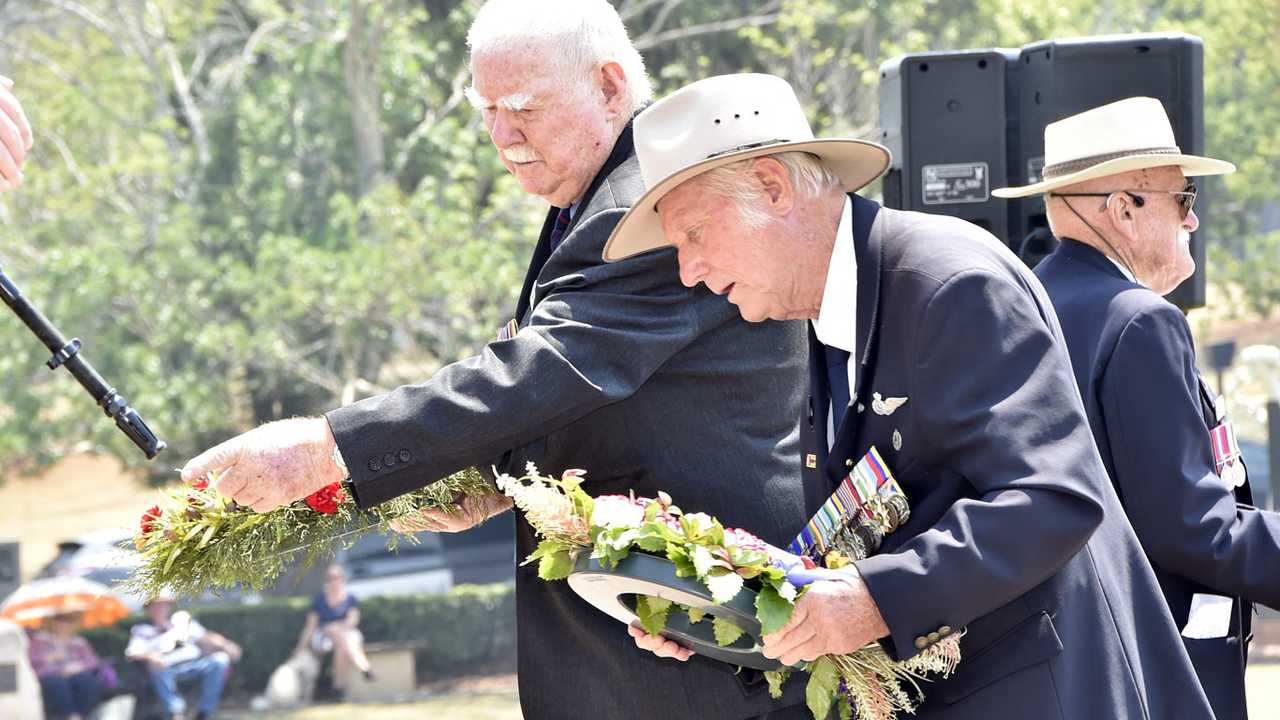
(175, 647)
(332, 624)
(67, 668)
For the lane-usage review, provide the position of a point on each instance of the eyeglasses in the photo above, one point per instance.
(1186, 197)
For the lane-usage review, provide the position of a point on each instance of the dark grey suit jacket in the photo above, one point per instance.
(1151, 413)
(1015, 534)
(646, 384)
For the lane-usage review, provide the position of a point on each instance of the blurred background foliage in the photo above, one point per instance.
(254, 209)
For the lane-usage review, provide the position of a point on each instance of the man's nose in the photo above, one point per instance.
(504, 131)
(692, 269)
(1191, 222)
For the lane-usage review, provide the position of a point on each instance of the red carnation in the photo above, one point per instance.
(326, 499)
(200, 484)
(150, 519)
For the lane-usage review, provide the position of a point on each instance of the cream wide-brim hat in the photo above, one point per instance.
(718, 121)
(1126, 135)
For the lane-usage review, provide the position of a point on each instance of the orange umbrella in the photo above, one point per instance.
(30, 604)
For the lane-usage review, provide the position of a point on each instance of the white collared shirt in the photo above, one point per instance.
(837, 323)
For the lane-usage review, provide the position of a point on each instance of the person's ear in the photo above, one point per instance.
(775, 182)
(1121, 214)
(612, 82)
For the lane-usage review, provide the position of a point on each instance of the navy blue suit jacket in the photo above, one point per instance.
(1016, 534)
(1151, 414)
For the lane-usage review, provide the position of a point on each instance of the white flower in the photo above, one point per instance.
(506, 483)
(530, 469)
(617, 511)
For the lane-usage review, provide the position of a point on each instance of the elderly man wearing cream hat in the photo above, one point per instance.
(932, 344)
(1118, 195)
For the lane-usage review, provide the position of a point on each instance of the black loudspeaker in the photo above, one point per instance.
(942, 115)
(1059, 78)
(962, 123)
(10, 575)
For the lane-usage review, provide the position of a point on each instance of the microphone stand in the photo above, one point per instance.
(68, 354)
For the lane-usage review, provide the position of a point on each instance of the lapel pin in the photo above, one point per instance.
(886, 406)
(811, 461)
(897, 440)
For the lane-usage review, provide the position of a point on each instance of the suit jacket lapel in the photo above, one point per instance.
(869, 252)
(541, 252)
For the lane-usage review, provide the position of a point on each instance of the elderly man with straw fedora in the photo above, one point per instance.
(931, 343)
(1118, 195)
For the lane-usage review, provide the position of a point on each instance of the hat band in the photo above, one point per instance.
(1073, 166)
(748, 146)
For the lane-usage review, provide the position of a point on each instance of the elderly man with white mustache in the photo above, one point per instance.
(615, 368)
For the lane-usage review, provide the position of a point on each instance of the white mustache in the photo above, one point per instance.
(521, 154)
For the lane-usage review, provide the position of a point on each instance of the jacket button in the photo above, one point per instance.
(922, 642)
(848, 463)
(945, 630)
(388, 460)
(404, 456)
(374, 464)
(934, 637)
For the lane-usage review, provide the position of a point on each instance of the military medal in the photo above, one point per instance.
(509, 330)
(851, 525)
(1226, 455)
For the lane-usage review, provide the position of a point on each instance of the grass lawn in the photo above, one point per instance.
(460, 706)
(1262, 687)
(1263, 682)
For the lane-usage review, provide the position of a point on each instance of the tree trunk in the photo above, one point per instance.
(360, 65)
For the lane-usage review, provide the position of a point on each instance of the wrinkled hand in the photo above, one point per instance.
(658, 645)
(832, 617)
(15, 137)
(271, 465)
(473, 510)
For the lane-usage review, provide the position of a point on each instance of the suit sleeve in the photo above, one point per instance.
(1184, 514)
(998, 406)
(596, 335)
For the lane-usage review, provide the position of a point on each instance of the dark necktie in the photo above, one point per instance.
(838, 382)
(562, 224)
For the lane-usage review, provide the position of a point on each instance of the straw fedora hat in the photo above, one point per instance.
(1130, 134)
(718, 121)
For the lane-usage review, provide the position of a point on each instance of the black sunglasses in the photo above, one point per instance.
(1186, 197)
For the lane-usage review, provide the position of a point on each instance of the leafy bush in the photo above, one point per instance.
(469, 629)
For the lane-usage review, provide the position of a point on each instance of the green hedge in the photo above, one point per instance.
(469, 629)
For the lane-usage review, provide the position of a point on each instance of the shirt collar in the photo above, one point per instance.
(837, 321)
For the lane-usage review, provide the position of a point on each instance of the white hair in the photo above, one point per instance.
(580, 35)
(736, 181)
